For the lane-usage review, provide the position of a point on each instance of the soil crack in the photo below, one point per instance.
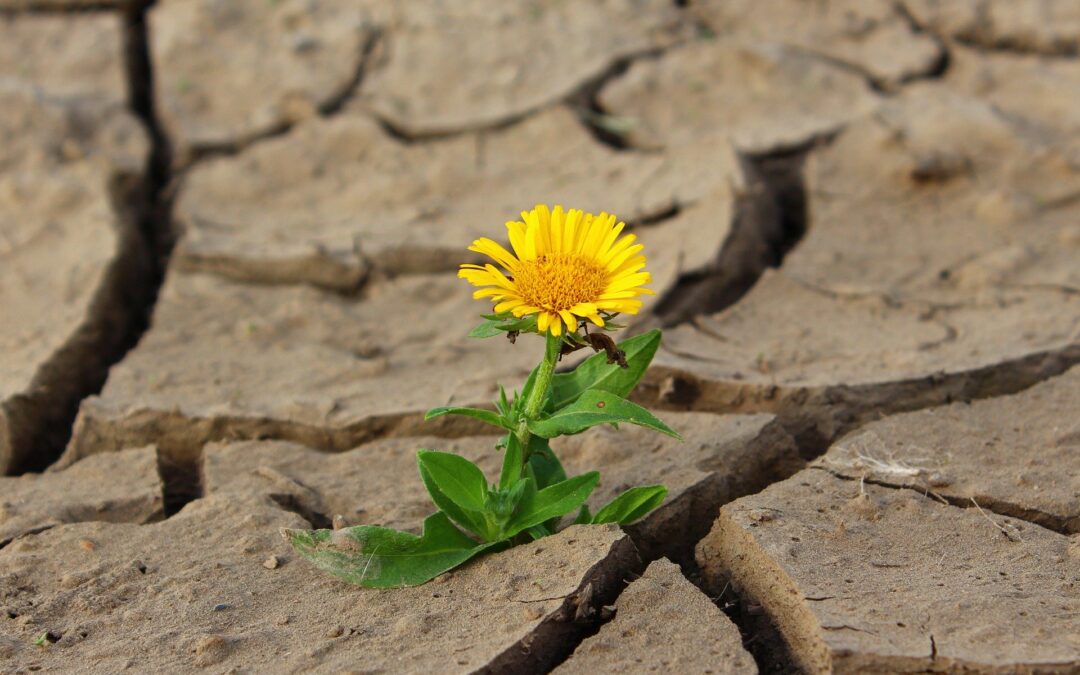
(770, 219)
(983, 503)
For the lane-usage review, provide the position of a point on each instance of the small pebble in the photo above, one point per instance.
(271, 563)
(335, 632)
(87, 544)
(221, 606)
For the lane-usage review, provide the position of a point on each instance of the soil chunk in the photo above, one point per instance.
(121, 487)
(663, 624)
(919, 585)
(211, 555)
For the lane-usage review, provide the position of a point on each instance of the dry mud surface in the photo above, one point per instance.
(228, 232)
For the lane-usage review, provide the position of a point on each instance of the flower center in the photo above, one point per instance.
(559, 281)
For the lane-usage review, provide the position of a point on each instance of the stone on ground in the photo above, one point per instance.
(121, 487)
(663, 624)
(194, 592)
(861, 578)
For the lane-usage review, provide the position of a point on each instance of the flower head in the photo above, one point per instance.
(565, 266)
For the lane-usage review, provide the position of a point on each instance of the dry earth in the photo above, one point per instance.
(863, 221)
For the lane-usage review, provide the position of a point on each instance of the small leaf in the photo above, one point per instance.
(546, 467)
(458, 488)
(631, 505)
(513, 460)
(503, 404)
(378, 557)
(595, 373)
(485, 330)
(593, 408)
(538, 532)
(488, 416)
(526, 391)
(552, 502)
(503, 323)
(458, 478)
(583, 516)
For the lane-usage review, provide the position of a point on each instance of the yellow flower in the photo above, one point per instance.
(565, 266)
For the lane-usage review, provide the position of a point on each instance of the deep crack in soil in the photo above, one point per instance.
(771, 218)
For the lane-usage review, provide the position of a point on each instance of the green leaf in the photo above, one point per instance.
(458, 488)
(538, 532)
(593, 408)
(503, 323)
(552, 502)
(596, 373)
(526, 391)
(513, 460)
(378, 557)
(583, 516)
(631, 505)
(488, 416)
(546, 467)
(503, 405)
(485, 330)
(457, 478)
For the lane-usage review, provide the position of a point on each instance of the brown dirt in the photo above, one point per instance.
(872, 579)
(1015, 455)
(194, 592)
(911, 168)
(663, 624)
(70, 154)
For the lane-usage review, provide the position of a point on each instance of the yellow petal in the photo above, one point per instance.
(516, 230)
(499, 278)
(543, 321)
(608, 240)
(557, 219)
(495, 251)
(556, 326)
(618, 248)
(583, 309)
(601, 226)
(570, 230)
(585, 230)
(628, 282)
(621, 258)
(543, 230)
(522, 310)
(630, 266)
(507, 305)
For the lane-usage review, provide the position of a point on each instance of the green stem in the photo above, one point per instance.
(543, 378)
(533, 406)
